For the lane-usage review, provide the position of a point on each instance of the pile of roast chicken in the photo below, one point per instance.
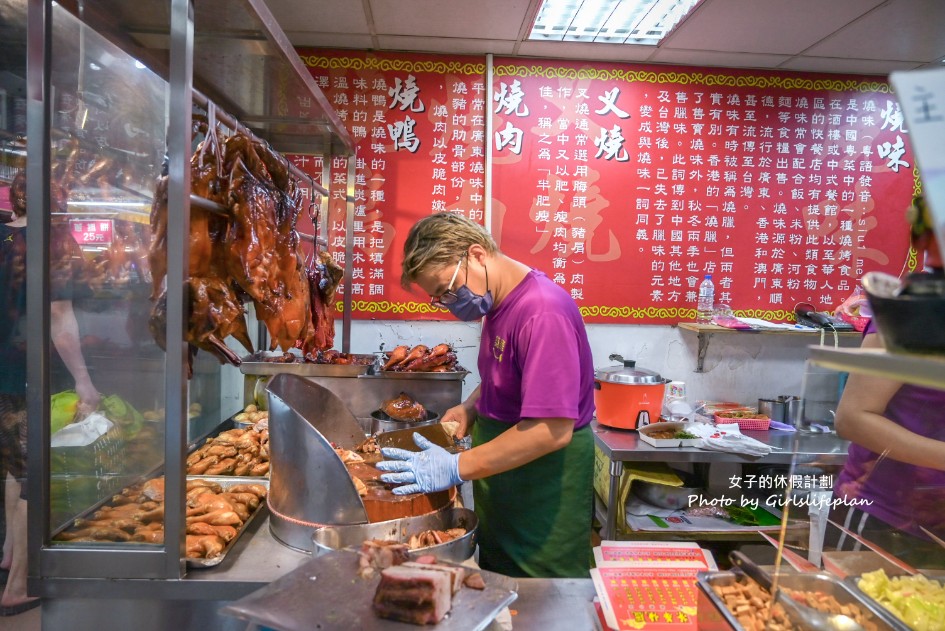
(215, 516)
(249, 252)
(420, 358)
(237, 452)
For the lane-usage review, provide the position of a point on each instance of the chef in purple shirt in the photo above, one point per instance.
(533, 454)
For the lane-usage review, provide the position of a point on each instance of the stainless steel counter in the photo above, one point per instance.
(813, 449)
(256, 560)
(620, 446)
(553, 604)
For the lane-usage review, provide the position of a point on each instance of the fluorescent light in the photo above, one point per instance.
(609, 21)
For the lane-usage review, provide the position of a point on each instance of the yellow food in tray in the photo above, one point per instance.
(916, 600)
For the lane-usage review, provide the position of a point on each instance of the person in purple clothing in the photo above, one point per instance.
(532, 459)
(896, 461)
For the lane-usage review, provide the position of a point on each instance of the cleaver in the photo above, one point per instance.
(403, 438)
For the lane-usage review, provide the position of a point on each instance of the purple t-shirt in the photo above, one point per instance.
(900, 494)
(534, 357)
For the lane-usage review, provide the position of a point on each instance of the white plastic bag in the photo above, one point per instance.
(83, 433)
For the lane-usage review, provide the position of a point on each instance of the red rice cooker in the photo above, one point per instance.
(627, 397)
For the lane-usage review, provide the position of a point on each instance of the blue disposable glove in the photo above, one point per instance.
(433, 469)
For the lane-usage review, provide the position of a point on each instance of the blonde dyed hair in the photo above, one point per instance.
(439, 240)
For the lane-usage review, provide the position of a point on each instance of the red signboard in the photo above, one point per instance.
(418, 122)
(92, 231)
(627, 184)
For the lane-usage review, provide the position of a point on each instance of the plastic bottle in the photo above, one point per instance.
(706, 300)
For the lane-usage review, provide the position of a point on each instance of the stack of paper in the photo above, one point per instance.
(648, 584)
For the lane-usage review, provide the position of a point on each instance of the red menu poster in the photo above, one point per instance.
(627, 184)
(419, 124)
(653, 598)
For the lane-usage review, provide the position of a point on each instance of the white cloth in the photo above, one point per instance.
(83, 433)
(727, 437)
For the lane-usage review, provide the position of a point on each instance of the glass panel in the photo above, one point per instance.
(108, 145)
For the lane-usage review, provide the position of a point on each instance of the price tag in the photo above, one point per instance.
(92, 231)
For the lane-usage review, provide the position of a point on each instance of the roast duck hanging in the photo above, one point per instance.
(251, 251)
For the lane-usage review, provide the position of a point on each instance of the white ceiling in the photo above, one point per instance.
(846, 36)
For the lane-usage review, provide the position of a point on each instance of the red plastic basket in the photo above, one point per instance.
(757, 424)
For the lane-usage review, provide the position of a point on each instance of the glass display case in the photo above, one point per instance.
(108, 104)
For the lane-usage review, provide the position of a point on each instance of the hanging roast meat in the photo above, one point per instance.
(323, 278)
(157, 252)
(251, 252)
(215, 314)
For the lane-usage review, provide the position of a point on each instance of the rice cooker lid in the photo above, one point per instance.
(628, 374)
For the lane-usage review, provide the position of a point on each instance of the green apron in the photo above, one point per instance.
(535, 521)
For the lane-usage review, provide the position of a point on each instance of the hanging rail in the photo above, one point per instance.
(201, 100)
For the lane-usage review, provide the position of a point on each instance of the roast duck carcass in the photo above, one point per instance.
(440, 358)
(250, 252)
(403, 407)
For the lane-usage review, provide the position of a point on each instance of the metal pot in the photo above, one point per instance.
(329, 538)
(628, 397)
(784, 409)
(381, 422)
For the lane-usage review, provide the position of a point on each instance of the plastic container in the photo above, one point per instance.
(706, 304)
(908, 318)
(745, 424)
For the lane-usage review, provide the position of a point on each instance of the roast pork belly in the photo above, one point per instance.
(410, 594)
(456, 574)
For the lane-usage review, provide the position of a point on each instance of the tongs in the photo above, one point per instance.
(807, 617)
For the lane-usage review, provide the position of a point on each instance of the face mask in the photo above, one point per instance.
(469, 306)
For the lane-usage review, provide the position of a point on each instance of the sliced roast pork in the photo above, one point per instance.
(456, 574)
(410, 594)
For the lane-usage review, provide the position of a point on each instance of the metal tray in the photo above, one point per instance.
(719, 617)
(227, 482)
(252, 366)
(224, 481)
(327, 594)
(455, 375)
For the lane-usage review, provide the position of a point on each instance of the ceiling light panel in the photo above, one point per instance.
(609, 21)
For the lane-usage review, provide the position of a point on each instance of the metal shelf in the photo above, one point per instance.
(706, 331)
(923, 370)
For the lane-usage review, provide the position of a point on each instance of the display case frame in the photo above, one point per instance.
(179, 41)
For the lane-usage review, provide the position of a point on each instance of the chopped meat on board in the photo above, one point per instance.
(418, 596)
(376, 555)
